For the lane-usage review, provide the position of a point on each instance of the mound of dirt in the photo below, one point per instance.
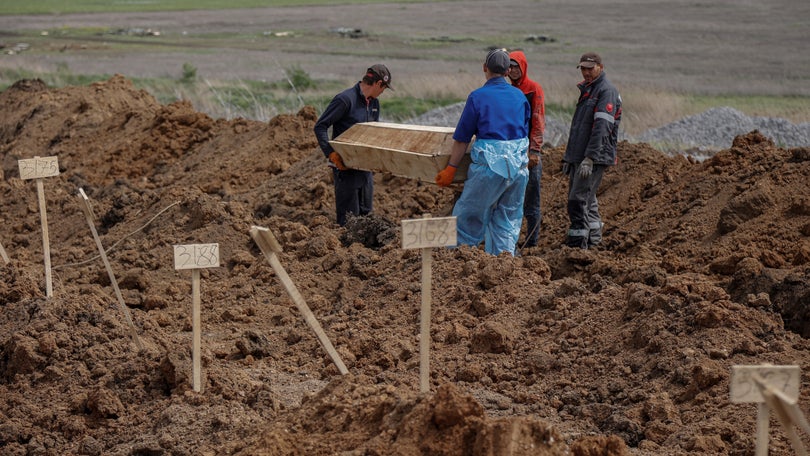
(626, 349)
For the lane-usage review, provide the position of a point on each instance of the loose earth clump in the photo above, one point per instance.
(625, 349)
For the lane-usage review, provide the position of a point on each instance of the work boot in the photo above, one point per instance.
(577, 242)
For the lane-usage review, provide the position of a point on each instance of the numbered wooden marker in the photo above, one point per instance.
(88, 213)
(771, 387)
(424, 234)
(38, 168)
(196, 257)
(744, 388)
(429, 232)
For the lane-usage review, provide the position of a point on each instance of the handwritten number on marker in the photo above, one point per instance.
(745, 389)
(196, 256)
(34, 168)
(434, 232)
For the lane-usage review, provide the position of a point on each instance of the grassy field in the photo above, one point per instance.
(257, 63)
(132, 6)
(259, 100)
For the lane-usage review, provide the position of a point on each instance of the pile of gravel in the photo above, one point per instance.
(707, 132)
(716, 128)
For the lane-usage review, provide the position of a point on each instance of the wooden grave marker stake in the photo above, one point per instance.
(424, 234)
(3, 254)
(270, 247)
(196, 257)
(772, 388)
(39, 168)
(88, 213)
(786, 412)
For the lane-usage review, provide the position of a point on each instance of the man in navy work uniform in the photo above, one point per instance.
(354, 189)
(490, 207)
(591, 149)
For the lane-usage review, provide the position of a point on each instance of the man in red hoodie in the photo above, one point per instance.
(518, 74)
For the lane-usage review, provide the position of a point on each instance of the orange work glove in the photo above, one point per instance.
(445, 177)
(335, 158)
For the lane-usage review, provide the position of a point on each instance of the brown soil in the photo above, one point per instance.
(623, 350)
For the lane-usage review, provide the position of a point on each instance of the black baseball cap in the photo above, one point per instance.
(380, 73)
(589, 60)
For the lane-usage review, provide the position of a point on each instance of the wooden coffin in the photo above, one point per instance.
(413, 151)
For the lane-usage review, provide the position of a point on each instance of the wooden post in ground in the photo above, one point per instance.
(3, 254)
(38, 168)
(88, 213)
(424, 234)
(196, 331)
(271, 248)
(786, 411)
(196, 257)
(763, 429)
(771, 388)
(46, 243)
(424, 321)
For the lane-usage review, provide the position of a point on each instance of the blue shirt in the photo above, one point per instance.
(496, 110)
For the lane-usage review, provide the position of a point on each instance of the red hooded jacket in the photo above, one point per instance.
(534, 93)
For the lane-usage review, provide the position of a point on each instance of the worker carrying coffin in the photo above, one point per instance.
(354, 188)
(490, 208)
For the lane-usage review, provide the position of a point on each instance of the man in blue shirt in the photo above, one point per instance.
(490, 207)
(354, 189)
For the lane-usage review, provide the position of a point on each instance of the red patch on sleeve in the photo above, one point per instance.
(609, 107)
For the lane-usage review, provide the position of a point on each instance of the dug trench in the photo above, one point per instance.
(626, 349)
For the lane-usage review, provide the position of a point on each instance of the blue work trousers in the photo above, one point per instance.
(490, 209)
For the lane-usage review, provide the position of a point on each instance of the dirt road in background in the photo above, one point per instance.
(682, 45)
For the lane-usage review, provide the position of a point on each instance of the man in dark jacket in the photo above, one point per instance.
(354, 189)
(519, 75)
(591, 149)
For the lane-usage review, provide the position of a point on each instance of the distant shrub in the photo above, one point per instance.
(189, 73)
(299, 79)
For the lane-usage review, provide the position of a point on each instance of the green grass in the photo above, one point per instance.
(8, 7)
(61, 78)
(258, 100)
(403, 108)
(262, 100)
(560, 110)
